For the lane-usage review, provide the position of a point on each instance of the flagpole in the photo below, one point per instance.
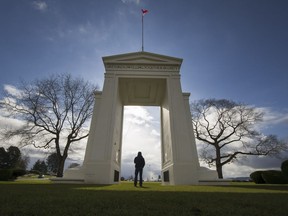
(144, 11)
(142, 32)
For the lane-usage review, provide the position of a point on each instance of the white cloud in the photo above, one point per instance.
(40, 5)
(83, 29)
(137, 115)
(131, 1)
(10, 122)
(274, 117)
(251, 164)
(12, 90)
(274, 122)
(86, 34)
(235, 170)
(155, 132)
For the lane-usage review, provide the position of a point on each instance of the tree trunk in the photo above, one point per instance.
(219, 171)
(61, 164)
(218, 163)
(62, 160)
(60, 168)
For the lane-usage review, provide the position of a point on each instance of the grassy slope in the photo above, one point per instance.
(39, 197)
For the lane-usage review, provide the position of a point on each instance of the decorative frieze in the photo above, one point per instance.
(142, 67)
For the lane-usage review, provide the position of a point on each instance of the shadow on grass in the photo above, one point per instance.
(259, 187)
(142, 187)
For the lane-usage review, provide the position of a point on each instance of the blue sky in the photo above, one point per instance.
(232, 49)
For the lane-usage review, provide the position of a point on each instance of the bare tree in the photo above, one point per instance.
(227, 130)
(54, 112)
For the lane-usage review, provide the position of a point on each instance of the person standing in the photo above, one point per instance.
(139, 165)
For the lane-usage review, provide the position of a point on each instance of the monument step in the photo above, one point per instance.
(215, 182)
(67, 180)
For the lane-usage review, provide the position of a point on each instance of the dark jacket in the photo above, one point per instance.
(139, 161)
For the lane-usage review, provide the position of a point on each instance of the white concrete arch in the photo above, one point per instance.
(141, 78)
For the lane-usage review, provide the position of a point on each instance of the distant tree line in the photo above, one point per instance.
(12, 163)
(12, 158)
(49, 166)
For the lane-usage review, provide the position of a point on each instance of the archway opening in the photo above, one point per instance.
(141, 132)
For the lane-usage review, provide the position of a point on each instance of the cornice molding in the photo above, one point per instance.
(142, 67)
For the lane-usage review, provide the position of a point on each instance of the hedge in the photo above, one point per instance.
(274, 177)
(11, 174)
(5, 174)
(18, 172)
(257, 177)
(284, 167)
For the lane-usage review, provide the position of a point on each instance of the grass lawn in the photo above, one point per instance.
(40, 197)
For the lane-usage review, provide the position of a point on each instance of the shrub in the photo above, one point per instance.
(18, 172)
(5, 174)
(257, 177)
(34, 172)
(274, 177)
(284, 167)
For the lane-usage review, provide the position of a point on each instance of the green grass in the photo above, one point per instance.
(40, 197)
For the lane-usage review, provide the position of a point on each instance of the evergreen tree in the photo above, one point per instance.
(40, 166)
(11, 158)
(52, 163)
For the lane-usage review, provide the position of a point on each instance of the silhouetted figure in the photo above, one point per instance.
(139, 164)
